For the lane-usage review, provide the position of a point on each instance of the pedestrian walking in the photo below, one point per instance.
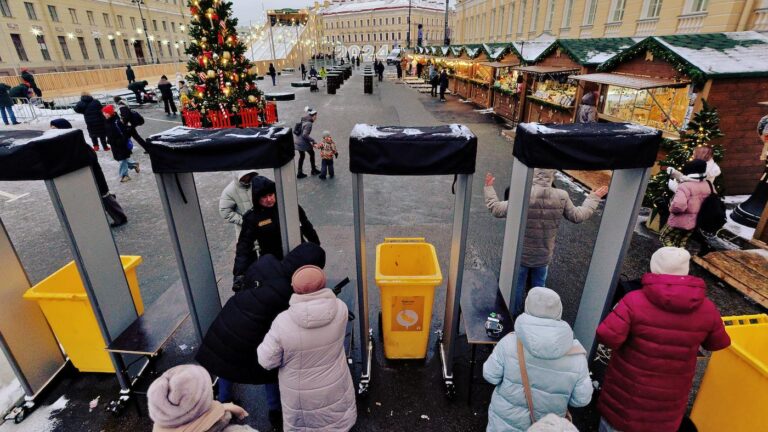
(166, 93)
(327, 152)
(323, 74)
(262, 224)
(540, 358)
(654, 334)
(130, 74)
(434, 80)
(235, 199)
(587, 110)
(443, 84)
(399, 69)
(547, 206)
(303, 72)
(119, 138)
(312, 71)
(306, 344)
(304, 143)
(91, 108)
(686, 204)
(138, 88)
(6, 105)
(381, 71)
(181, 400)
(229, 347)
(27, 76)
(130, 118)
(22, 92)
(272, 73)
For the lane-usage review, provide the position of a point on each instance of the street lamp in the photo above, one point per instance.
(408, 33)
(144, 26)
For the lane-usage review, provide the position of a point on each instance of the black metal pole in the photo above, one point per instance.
(446, 40)
(408, 33)
(144, 25)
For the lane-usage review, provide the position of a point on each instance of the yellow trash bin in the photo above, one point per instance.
(734, 392)
(407, 273)
(64, 302)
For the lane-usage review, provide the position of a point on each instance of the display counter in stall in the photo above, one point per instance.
(550, 95)
(480, 84)
(506, 91)
(459, 82)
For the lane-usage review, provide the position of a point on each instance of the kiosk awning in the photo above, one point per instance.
(544, 70)
(629, 81)
(499, 64)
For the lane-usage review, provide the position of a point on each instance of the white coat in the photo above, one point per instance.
(235, 200)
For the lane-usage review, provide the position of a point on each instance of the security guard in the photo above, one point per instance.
(262, 224)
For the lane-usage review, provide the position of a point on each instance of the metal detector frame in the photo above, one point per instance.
(447, 336)
(618, 222)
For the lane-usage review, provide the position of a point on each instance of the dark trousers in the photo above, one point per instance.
(96, 138)
(434, 90)
(326, 168)
(302, 155)
(442, 93)
(169, 105)
(139, 97)
(381, 76)
(139, 140)
(273, 79)
(111, 206)
(303, 75)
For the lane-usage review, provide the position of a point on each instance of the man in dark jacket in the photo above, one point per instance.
(165, 91)
(130, 74)
(21, 91)
(27, 76)
(443, 84)
(90, 108)
(262, 224)
(229, 348)
(118, 135)
(272, 73)
(6, 105)
(138, 88)
(303, 72)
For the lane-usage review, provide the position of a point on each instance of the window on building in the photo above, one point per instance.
(590, 10)
(43, 47)
(20, 51)
(379, 21)
(173, 26)
(386, 36)
(113, 44)
(154, 25)
(52, 12)
(695, 6)
(64, 48)
(369, 37)
(501, 20)
(567, 9)
(550, 15)
(386, 21)
(83, 49)
(99, 49)
(521, 17)
(133, 23)
(31, 14)
(165, 26)
(535, 15)
(127, 46)
(399, 36)
(616, 14)
(120, 22)
(73, 15)
(651, 9)
(91, 19)
(493, 21)
(511, 21)
(399, 20)
(4, 8)
(369, 23)
(168, 46)
(159, 49)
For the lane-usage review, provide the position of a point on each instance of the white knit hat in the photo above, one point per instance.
(671, 261)
(543, 303)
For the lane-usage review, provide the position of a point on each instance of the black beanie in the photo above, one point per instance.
(696, 166)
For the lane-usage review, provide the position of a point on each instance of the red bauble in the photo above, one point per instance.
(221, 38)
(195, 10)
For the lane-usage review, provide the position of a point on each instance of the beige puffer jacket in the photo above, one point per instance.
(235, 200)
(546, 208)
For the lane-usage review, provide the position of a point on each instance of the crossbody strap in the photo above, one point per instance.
(526, 384)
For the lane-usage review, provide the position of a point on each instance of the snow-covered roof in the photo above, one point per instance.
(532, 49)
(721, 53)
(353, 6)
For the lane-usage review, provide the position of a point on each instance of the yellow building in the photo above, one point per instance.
(66, 35)
(480, 21)
(382, 23)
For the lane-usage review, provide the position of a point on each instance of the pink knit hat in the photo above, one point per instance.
(308, 279)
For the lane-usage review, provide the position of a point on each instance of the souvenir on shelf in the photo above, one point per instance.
(662, 108)
(507, 81)
(556, 91)
(483, 74)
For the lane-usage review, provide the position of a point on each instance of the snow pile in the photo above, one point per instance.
(738, 59)
(411, 132)
(40, 420)
(458, 131)
(173, 132)
(531, 50)
(10, 395)
(539, 128)
(50, 133)
(362, 131)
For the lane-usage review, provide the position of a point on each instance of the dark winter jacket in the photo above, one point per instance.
(130, 74)
(20, 91)
(90, 108)
(117, 135)
(272, 71)
(29, 78)
(304, 142)
(137, 86)
(165, 89)
(5, 98)
(229, 348)
(443, 81)
(655, 333)
(263, 225)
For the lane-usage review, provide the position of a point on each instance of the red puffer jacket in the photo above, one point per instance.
(654, 334)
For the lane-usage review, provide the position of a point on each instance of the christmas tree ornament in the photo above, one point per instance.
(226, 55)
(211, 74)
(252, 99)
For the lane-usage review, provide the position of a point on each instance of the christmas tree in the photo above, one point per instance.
(222, 78)
(701, 130)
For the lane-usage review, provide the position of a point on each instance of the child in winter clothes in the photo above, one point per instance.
(704, 153)
(181, 400)
(119, 137)
(655, 333)
(556, 366)
(685, 205)
(327, 152)
(307, 343)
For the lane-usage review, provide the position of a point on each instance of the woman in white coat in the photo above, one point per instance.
(307, 343)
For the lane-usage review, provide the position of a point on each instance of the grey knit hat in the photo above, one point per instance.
(543, 303)
(180, 396)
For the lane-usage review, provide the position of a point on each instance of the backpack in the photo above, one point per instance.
(711, 216)
(297, 128)
(136, 118)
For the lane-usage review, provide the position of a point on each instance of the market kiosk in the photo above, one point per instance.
(505, 91)
(550, 95)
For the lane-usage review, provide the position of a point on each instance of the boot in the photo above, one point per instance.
(315, 171)
(300, 175)
(276, 420)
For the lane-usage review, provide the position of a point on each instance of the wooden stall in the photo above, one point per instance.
(662, 80)
(481, 84)
(550, 95)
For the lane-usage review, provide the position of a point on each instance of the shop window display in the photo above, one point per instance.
(667, 112)
(557, 91)
(507, 81)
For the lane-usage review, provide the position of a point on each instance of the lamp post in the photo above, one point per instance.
(446, 37)
(408, 33)
(144, 26)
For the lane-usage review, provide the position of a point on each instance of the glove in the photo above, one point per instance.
(238, 283)
(337, 155)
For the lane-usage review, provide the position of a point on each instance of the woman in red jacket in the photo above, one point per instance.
(655, 333)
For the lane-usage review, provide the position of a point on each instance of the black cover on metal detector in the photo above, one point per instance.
(586, 146)
(183, 149)
(42, 155)
(398, 150)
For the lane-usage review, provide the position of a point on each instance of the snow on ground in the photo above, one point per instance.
(39, 420)
(9, 395)
(740, 230)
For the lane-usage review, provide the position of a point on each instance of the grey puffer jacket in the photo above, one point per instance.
(307, 343)
(546, 208)
(304, 142)
(235, 200)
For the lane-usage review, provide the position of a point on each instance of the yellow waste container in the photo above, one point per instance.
(734, 392)
(64, 302)
(407, 273)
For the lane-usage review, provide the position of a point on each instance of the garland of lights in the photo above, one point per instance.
(695, 74)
